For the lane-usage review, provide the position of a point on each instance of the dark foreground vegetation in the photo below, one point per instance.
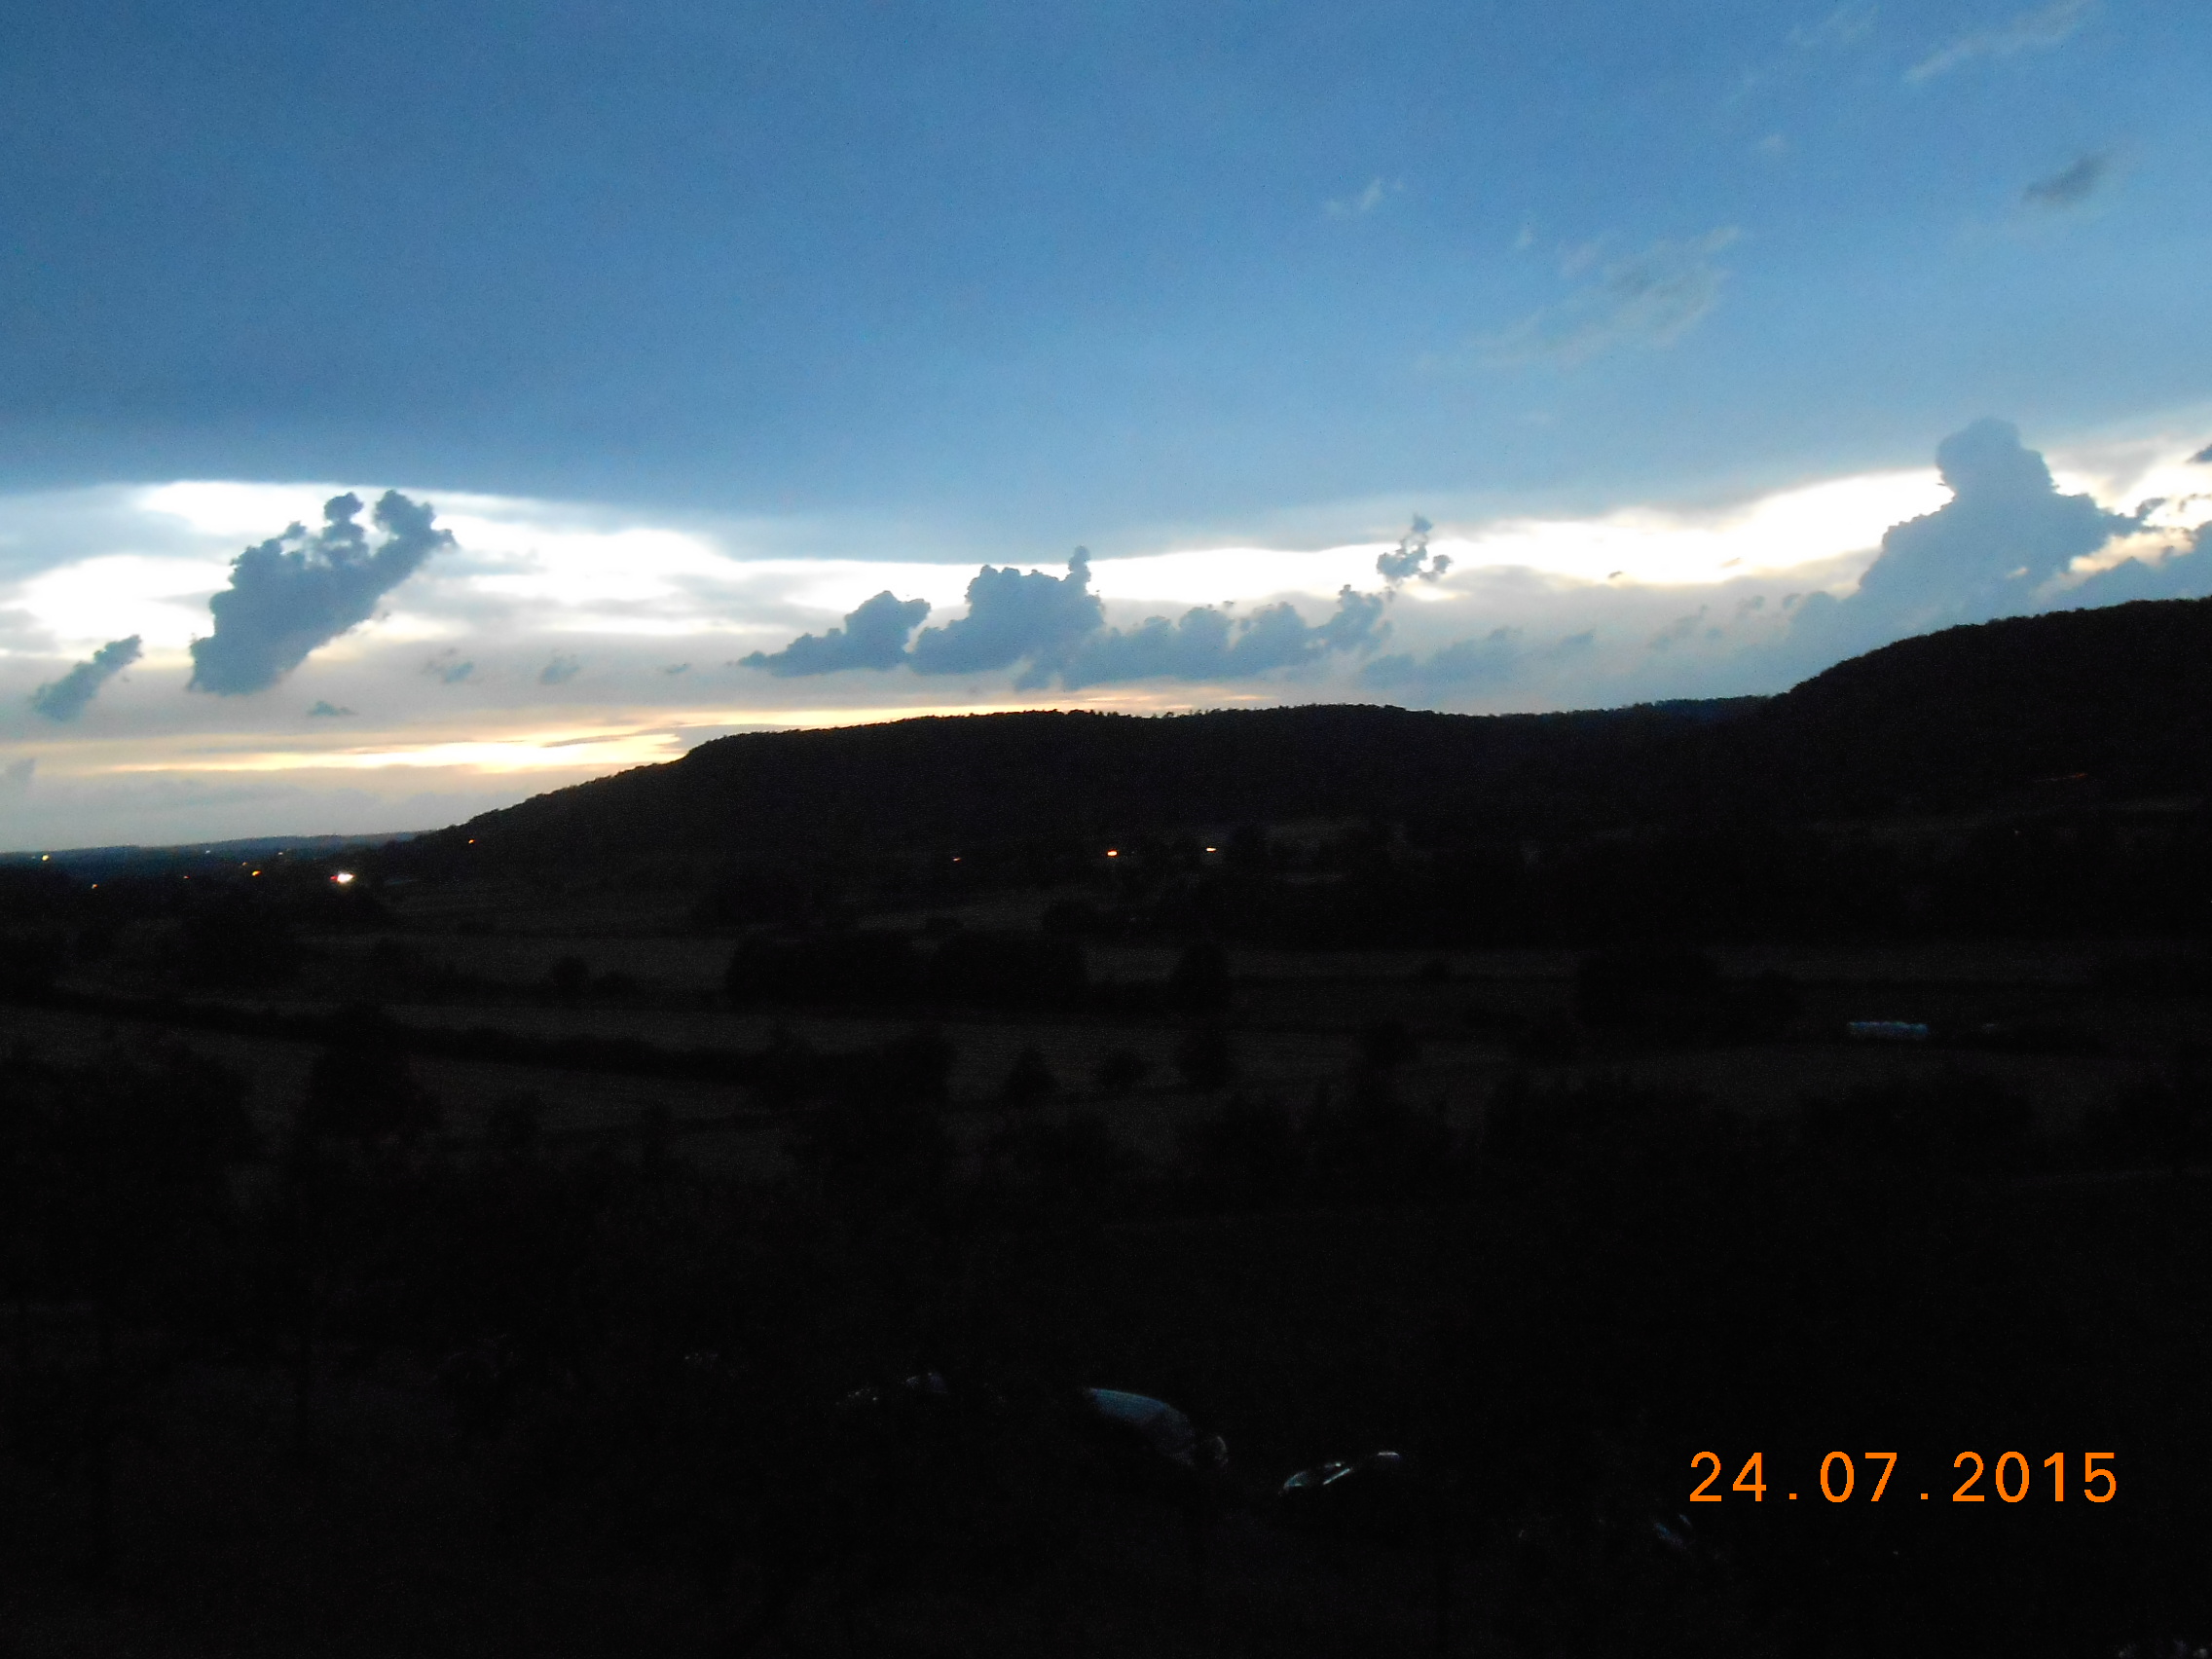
(359, 1385)
(544, 1250)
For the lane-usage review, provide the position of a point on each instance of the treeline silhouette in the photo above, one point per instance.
(2055, 875)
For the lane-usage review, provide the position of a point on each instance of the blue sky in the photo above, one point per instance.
(1224, 293)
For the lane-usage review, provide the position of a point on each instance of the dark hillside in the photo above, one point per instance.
(1993, 717)
(944, 783)
(2117, 700)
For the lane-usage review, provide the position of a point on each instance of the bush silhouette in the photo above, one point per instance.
(362, 1088)
(1646, 989)
(845, 967)
(1956, 1121)
(1203, 1056)
(569, 979)
(1386, 1045)
(1029, 1082)
(233, 942)
(1008, 970)
(1121, 1070)
(1199, 983)
(1250, 1155)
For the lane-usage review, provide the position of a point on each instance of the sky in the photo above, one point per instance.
(408, 409)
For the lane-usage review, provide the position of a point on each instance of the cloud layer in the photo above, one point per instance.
(1015, 616)
(1207, 645)
(302, 589)
(875, 636)
(64, 699)
(1411, 557)
(1053, 628)
(1995, 549)
(573, 621)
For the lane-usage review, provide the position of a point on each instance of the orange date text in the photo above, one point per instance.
(1866, 1477)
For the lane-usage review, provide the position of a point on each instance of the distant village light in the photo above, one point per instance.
(341, 877)
(1112, 853)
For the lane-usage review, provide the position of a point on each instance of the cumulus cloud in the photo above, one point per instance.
(447, 668)
(299, 590)
(2044, 27)
(64, 699)
(1054, 628)
(1208, 643)
(1015, 616)
(2071, 186)
(1681, 628)
(560, 671)
(1412, 559)
(1498, 659)
(875, 636)
(1995, 549)
(325, 710)
(1650, 299)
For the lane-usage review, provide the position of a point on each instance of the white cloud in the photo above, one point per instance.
(2030, 31)
(1663, 546)
(160, 598)
(570, 615)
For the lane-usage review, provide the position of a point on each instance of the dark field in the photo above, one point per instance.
(357, 1307)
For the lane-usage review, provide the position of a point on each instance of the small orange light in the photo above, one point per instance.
(1112, 853)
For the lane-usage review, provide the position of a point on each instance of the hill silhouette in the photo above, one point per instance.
(2114, 703)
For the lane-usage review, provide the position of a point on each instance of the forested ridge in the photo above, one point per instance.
(2113, 703)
